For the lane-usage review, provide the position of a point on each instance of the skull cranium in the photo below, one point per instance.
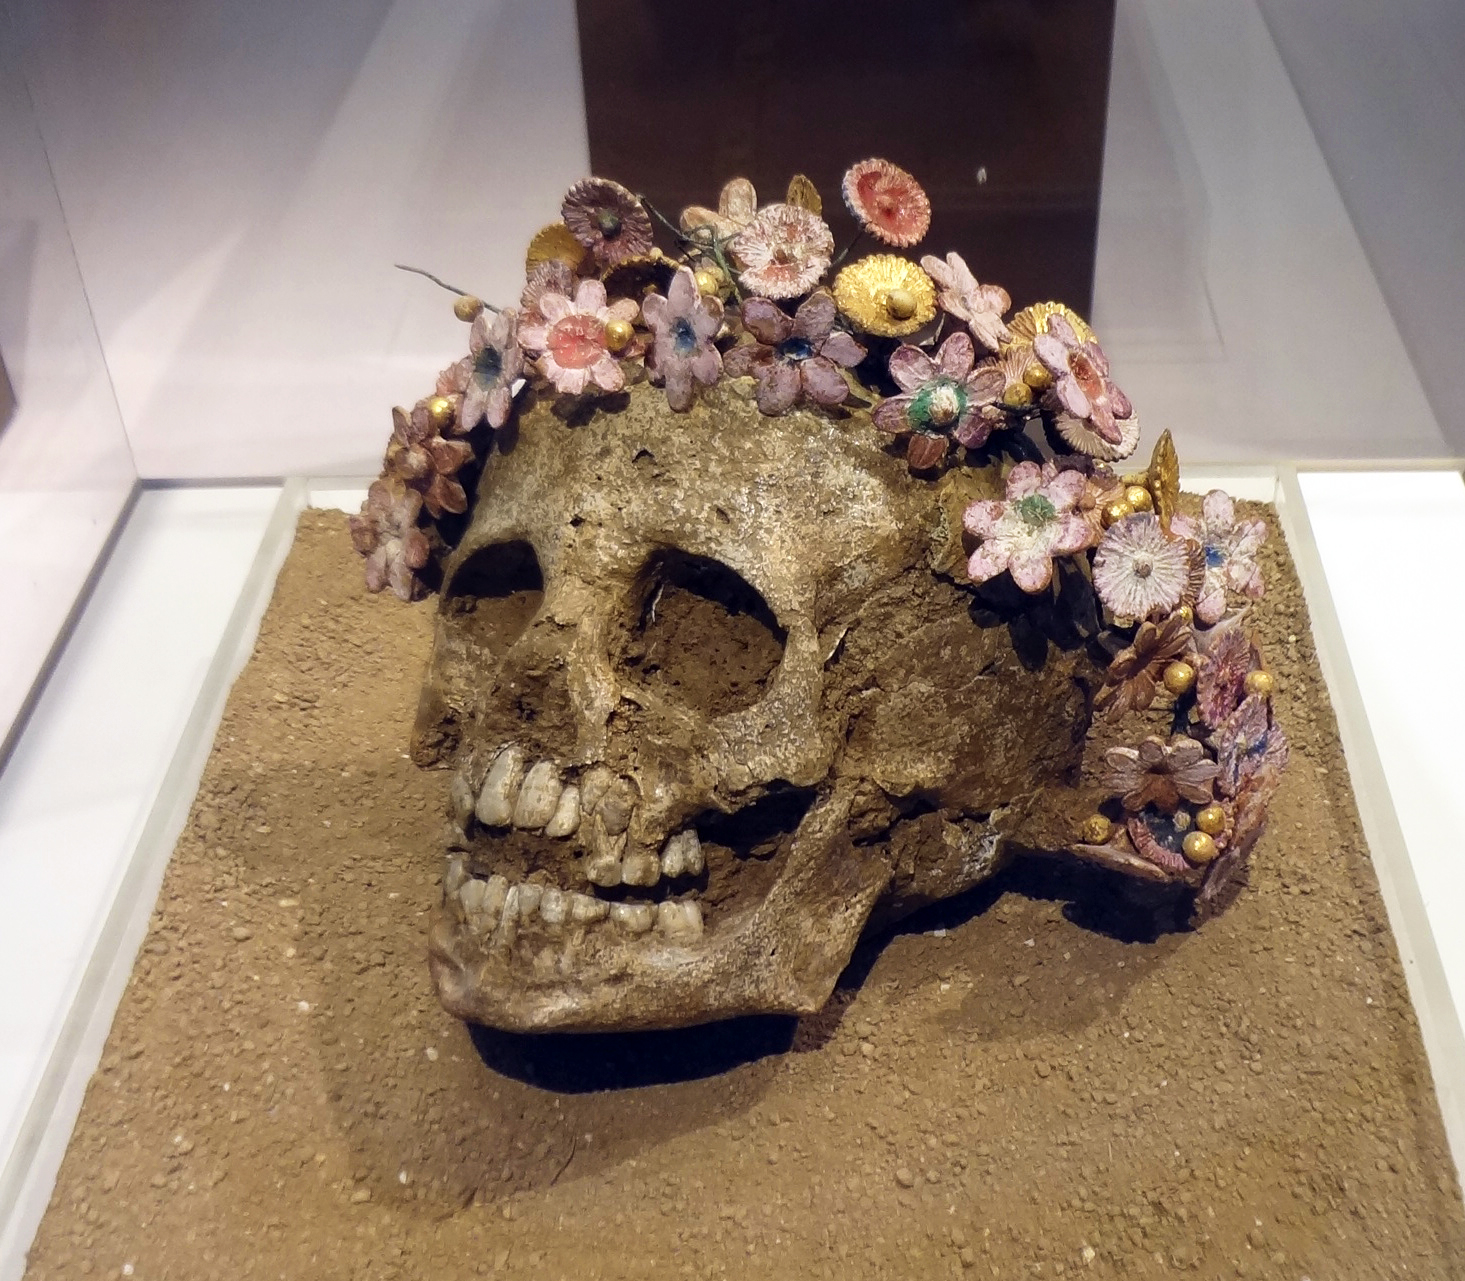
(713, 700)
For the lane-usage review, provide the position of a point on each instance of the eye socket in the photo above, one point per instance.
(495, 594)
(703, 634)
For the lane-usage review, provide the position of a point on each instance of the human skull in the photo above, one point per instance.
(716, 695)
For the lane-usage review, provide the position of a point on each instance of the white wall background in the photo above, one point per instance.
(1382, 88)
(240, 178)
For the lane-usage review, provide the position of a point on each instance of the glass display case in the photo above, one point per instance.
(218, 950)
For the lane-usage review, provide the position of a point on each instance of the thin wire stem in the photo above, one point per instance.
(439, 281)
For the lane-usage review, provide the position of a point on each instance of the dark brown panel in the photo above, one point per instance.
(680, 97)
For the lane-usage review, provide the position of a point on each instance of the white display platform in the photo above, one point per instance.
(99, 789)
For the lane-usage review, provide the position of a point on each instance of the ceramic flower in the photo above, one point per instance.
(796, 357)
(887, 201)
(419, 457)
(683, 325)
(1160, 837)
(1080, 434)
(1230, 549)
(386, 533)
(736, 205)
(485, 377)
(885, 294)
(571, 344)
(1133, 677)
(1012, 363)
(1081, 383)
(1138, 570)
(1161, 774)
(1023, 532)
(1101, 488)
(940, 401)
(1247, 741)
(608, 220)
(1227, 657)
(553, 276)
(782, 252)
(981, 306)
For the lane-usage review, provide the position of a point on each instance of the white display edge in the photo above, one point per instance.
(30, 1171)
(29, 1174)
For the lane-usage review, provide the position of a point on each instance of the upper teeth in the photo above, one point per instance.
(600, 808)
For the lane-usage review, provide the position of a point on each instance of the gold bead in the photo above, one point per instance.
(1017, 395)
(900, 303)
(1211, 820)
(1199, 847)
(655, 253)
(440, 410)
(706, 282)
(468, 308)
(1138, 497)
(618, 333)
(1187, 615)
(1179, 677)
(1116, 511)
(1096, 829)
(1260, 683)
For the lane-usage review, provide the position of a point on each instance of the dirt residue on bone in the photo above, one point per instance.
(704, 636)
(1019, 1079)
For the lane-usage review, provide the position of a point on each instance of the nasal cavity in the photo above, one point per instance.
(495, 595)
(703, 635)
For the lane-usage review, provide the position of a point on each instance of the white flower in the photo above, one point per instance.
(1138, 570)
(1025, 531)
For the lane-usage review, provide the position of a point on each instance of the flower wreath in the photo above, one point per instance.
(947, 373)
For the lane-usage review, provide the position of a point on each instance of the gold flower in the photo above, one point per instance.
(885, 294)
(555, 242)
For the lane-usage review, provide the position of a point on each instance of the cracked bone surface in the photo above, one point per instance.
(717, 698)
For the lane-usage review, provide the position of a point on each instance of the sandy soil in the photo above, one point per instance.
(1041, 1079)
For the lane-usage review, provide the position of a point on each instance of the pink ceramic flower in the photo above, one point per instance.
(794, 357)
(553, 276)
(940, 401)
(1025, 531)
(1138, 569)
(386, 533)
(981, 306)
(608, 220)
(1081, 379)
(485, 377)
(683, 325)
(1227, 657)
(570, 343)
(1230, 547)
(421, 458)
(783, 251)
(1248, 741)
(889, 203)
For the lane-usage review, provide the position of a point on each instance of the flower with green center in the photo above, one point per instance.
(1036, 510)
(941, 400)
(1025, 531)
